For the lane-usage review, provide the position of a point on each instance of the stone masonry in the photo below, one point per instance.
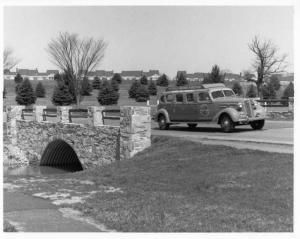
(94, 143)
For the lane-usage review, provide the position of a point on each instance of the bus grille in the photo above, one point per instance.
(249, 109)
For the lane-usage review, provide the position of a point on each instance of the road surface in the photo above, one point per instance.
(276, 136)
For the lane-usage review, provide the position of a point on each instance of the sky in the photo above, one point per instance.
(166, 38)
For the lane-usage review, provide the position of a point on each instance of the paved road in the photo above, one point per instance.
(277, 136)
(31, 214)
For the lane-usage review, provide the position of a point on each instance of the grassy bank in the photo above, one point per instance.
(178, 185)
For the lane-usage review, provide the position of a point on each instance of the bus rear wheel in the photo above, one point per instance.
(258, 124)
(192, 126)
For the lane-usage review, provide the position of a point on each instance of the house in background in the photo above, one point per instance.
(131, 75)
(30, 74)
(102, 74)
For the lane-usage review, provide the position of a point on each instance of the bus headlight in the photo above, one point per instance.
(239, 107)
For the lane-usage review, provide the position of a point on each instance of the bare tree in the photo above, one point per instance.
(76, 57)
(8, 60)
(266, 61)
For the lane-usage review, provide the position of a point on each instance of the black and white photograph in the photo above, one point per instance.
(148, 118)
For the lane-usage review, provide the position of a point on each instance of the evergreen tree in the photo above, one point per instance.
(57, 77)
(215, 75)
(117, 77)
(275, 82)
(268, 91)
(96, 83)
(86, 87)
(152, 88)
(107, 95)
(288, 91)
(142, 94)
(25, 93)
(144, 80)
(237, 88)
(207, 79)
(66, 78)
(4, 92)
(251, 93)
(114, 84)
(162, 80)
(181, 80)
(61, 95)
(40, 90)
(18, 79)
(133, 88)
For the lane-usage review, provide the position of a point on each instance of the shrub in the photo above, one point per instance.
(152, 88)
(237, 88)
(251, 93)
(107, 95)
(18, 79)
(62, 95)
(86, 87)
(96, 83)
(114, 84)
(142, 94)
(133, 88)
(117, 77)
(25, 93)
(181, 80)
(40, 90)
(144, 80)
(288, 91)
(268, 91)
(162, 80)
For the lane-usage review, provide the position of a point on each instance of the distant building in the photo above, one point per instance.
(102, 74)
(130, 75)
(197, 76)
(34, 74)
(30, 74)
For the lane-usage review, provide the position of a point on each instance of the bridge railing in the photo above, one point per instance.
(110, 114)
(274, 103)
(49, 112)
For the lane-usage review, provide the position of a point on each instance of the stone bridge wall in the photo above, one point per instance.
(94, 144)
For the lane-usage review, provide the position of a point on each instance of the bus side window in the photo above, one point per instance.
(190, 97)
(203, 96)
(169, 98)
(179, 98)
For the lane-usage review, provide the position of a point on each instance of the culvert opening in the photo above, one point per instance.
(59, 154)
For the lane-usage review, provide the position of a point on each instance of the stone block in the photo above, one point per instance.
(39, 112)
(63, 114)
(96, 115)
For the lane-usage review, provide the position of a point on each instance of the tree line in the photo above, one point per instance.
(76, 57)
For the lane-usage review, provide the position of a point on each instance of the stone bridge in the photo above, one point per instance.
(65, 144)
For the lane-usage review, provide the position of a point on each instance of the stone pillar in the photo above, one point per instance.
(63, 114)
(13, 114)
(39, 112)
(135, 130)
(96, 115)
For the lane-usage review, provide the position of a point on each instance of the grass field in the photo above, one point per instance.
(182, 186)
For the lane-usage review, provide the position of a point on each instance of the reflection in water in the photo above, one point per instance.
(32, 170)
